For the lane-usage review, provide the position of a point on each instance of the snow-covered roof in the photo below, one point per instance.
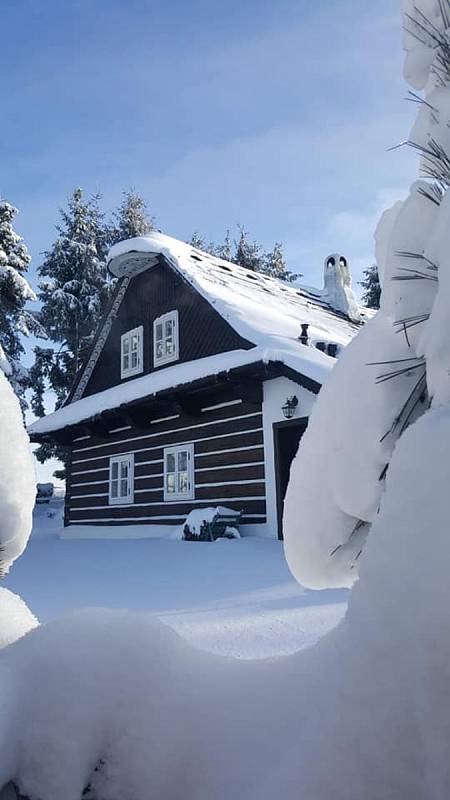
(265, 311)
(311, 362)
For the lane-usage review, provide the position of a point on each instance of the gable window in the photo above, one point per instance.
(121, 479)
(179, 472)
(165, 338)
(131, 347)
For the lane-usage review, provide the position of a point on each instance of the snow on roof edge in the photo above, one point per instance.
(308, 361)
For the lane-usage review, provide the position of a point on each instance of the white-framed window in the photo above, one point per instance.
(179, 472)
(121, 479)
(131, 352)
(165, 338)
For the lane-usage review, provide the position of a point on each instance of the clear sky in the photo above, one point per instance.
(277, 114)
(273, 113)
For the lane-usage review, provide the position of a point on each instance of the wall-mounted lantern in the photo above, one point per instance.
(290, 407)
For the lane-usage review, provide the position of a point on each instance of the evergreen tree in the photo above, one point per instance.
(130, 219)
(73, 291)
(248, 255)
(14, 294)
(275, 265)
(199, 243)
(224, 250)
(371, 286)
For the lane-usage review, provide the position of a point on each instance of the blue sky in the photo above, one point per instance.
(276, 114)
(273, 113)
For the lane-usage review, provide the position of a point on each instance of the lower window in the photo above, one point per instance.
(179, 472)
(121, 479)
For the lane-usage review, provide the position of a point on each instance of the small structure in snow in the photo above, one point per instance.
(44, 492)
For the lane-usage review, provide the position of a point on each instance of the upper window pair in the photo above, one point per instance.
(165, 345)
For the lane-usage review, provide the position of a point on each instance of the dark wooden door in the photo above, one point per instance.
(287, 437)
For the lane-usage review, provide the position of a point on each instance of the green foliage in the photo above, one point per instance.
(371, 285)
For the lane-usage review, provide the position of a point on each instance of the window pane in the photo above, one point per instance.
(114, 470)
(125, 345)
(134, 359)
(134, 341)
(159, 350)
(114, 487)
(170, 462)
(124, 469)
(183, 487)
(170, 347)
(159, 332)
(170, 482)
(169, 328)
(182, 460)
(124, 487)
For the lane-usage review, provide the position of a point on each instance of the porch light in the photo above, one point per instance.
(290, 407)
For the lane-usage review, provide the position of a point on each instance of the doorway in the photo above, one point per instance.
(286, 439)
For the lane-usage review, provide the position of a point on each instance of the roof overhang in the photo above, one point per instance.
(187, 397)
(132, 263)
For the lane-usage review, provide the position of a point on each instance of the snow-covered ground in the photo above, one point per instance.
(231, 597)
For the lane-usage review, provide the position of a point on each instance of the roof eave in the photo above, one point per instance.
(176, 398)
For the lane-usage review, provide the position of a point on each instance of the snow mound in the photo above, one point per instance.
(16, 618)
(17, 479)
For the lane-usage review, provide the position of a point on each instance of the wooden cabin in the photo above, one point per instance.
(197, 391)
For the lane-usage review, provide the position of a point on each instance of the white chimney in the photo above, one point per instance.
(338, 291)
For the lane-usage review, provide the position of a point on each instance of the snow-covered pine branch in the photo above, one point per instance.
(399, 364)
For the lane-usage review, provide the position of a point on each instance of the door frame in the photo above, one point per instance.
(298, 422)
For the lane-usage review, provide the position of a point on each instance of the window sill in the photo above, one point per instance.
(161, 362)
(131, 373)
(178, 498)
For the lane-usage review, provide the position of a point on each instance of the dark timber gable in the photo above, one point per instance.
(149, 295)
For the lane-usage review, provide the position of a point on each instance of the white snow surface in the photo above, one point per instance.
(358, 715)
(231, 597)
(17, 478)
